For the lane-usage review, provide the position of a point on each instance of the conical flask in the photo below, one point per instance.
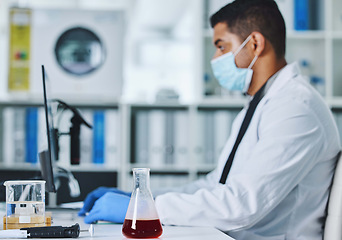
(141, 219)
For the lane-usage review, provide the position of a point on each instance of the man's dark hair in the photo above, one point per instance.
(245, 16)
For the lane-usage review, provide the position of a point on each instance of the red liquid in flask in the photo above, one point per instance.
(143, 228)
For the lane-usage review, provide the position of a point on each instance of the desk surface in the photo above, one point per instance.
(113, 231)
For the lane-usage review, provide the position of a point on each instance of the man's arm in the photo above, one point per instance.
(208, 182)
(290, 143)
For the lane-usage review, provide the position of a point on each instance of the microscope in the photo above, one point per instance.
(76, 121)
(59, 172)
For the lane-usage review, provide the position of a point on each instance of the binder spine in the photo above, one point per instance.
(31, 128)
(99, 136)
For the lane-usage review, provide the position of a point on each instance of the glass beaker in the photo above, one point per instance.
(25, 204)
(141, 219)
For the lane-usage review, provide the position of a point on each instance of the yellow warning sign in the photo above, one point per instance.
(19, 49)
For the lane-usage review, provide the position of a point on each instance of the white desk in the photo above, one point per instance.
(113, 231)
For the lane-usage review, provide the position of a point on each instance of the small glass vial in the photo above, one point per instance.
(25, 204)
(141, 219)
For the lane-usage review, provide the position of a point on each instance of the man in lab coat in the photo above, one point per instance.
(273, 176)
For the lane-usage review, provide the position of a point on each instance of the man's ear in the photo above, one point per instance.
(257, 43)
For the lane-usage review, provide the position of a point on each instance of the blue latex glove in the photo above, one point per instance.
(110, 207)
(96, 194)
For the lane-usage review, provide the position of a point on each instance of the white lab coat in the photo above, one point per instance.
(278, 185)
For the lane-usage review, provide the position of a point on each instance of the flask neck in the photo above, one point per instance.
(141, 178)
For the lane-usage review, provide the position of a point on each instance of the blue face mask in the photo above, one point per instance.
(229, 75)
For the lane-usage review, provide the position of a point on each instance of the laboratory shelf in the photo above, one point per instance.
(92, 102)
(161, 169)
(314, 34)
(159, 105)
(291, 34)
(73, 168)
(90, 168)
(26, 101)
(223, 102)
(335, 103)
(19, 166)
(175, 170)
(23, 102)
(205, 166)
(326, 42)
(337, 35)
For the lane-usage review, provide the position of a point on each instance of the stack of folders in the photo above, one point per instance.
(14, 134)
(162, 137)
(162, 181)
(302, 15)
(338, 119)
(337, 21)
(99, 145)
(24, 134)
(159, 181)
(213, 132)
(298, 14)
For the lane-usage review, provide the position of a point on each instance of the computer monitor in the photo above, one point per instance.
(47, 157)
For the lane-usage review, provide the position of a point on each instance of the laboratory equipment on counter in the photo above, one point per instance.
(75, 129)
(25, 204)
(47, 232)
(141, 219)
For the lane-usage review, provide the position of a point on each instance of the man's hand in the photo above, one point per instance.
(96, 194)
(110, 207)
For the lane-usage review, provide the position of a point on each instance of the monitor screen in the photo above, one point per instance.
(47, 157)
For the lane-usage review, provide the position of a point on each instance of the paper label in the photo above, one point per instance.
(24, 219)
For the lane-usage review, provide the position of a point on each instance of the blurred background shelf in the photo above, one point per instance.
(162, 106)
(310, 34)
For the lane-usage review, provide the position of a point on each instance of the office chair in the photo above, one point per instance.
(333, 223)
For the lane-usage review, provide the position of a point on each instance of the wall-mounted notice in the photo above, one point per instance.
(19, 53)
